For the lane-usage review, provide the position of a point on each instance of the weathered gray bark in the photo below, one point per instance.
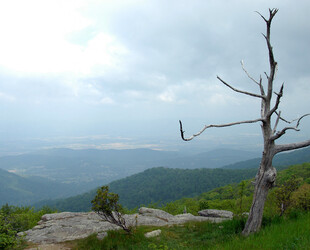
(266, 174)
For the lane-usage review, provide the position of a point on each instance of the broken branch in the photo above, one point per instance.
(214, 126)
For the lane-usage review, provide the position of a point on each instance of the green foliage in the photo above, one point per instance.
(105, 201)
(8, 237)
(284, 192)
(106, 205)
(300, 171)
(277, 233)
(238, 197)
(23, 218)
(158, 186)
(301, 198)
(203, 204)
(162, 185)
(15, 219)
(241, 187)
(193, 235)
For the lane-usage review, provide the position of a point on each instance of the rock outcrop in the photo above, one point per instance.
(153, 233)
(66, 226)
(214, 213)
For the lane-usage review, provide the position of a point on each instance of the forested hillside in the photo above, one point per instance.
(237, 197)
(158, 185)
(162, 185)
(15, 189)
(234, 197)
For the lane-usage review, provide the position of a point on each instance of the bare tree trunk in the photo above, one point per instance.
(264, 180)
(266, 175)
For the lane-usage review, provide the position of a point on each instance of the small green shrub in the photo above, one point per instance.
(106, 205)
(8, 239)
(301, 197)
(284, 192)
(203, 204)
(14, 219)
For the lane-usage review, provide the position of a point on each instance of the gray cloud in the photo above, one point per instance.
(165, 58)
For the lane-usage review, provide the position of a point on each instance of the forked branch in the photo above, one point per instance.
(214, 126)
(283, 131)
(276, 123)
(258, 83)
(247, 73)
(279, 95)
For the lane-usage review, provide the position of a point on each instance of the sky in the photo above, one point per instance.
(122, 73)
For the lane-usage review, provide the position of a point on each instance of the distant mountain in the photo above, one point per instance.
(164, 184)
(282, 159)
(64, 172)
(157, 185)
(17, 190)
(211, 159)
(93, 167)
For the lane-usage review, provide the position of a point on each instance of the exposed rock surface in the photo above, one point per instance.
(153, 233)
(58, 246)
(66, 226)
(102, 235)
(216, 213)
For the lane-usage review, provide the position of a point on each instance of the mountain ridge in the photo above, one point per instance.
(55, 189)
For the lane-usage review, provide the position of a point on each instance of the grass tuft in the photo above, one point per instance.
(277, 233)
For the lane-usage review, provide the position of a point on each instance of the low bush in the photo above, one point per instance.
(14, 219)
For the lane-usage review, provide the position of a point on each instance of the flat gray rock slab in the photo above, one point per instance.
(216, 213)
(66, 226)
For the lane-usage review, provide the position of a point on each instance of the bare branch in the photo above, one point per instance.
(262, 16)
(282, 119)
(291, 146)
(247, 73)
(270, 49)
(283, 131)
(214, 126)
(276, 123)
(249, 76)
(240, 91)
(272, 62)
(289, 122)
(273, 66)
(272, 13)
(262, 91)
(298, 121)
(279, 95)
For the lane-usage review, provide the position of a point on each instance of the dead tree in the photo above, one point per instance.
(266, 174)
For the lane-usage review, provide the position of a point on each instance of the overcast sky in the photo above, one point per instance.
(120, 74)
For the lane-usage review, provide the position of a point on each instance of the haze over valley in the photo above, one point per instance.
(60, 173)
